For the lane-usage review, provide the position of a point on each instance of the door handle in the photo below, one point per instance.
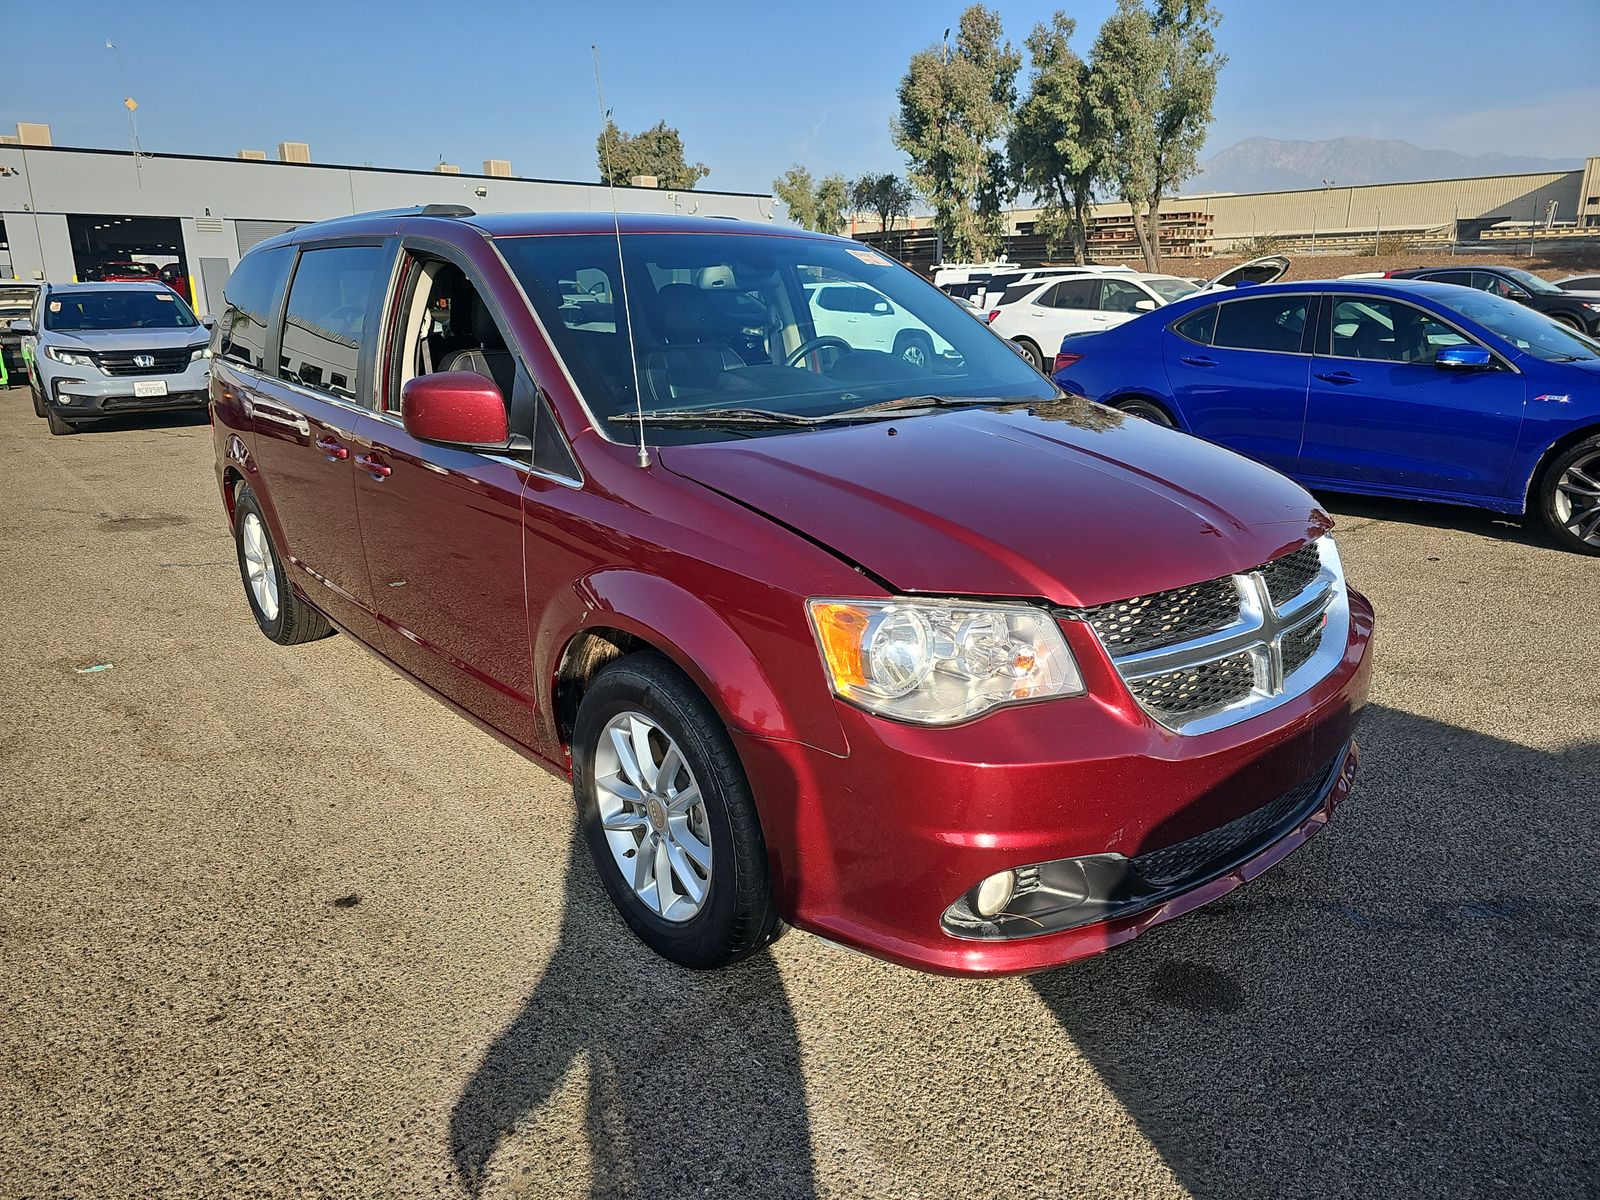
(1341, 378)
(1199, 360)
(333, 448)
(374, 466)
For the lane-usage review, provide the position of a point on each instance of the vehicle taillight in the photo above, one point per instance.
(993, 313)
(1064, 360)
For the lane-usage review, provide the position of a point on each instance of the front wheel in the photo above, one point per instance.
(59, 425)
(1570, 322)
(1569, 497)
(669, 817)
(38, 396)
(914, 348)
(1147, 410)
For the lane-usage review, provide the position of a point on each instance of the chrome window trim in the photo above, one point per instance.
(1311, 317)
(1258, 631)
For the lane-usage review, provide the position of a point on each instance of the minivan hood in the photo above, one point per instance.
(1069, 502)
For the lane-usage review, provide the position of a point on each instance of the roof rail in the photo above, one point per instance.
(415, 210)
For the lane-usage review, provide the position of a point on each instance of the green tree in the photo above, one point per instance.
(813, 204)
(1057, 148)
(886, 196)
(955, 107)
(657, 151)
(1152, 82)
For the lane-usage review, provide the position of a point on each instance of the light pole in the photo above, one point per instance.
(132, 105)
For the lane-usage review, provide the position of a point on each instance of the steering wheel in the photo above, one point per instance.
(816, 343)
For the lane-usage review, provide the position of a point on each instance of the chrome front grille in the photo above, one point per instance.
(1206, 655)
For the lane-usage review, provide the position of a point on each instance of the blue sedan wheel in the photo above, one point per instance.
(1147, 410)
(1570, 497)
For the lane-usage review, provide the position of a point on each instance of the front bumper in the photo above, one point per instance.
(80, 392)
(872, 848)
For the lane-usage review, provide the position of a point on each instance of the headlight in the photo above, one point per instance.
(937, 661)
(75, 358)
(200, 352)
(1591, 307)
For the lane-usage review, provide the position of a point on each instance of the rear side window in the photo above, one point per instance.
(248, 299)
(1198, 326)
(1268, 323)
(325, 325)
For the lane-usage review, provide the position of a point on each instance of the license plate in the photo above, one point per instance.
(150, 387)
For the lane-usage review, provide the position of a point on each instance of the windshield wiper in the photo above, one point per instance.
(713, 416)
(903, 403)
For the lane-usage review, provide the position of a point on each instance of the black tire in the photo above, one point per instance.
(59, 425)
(738, 915)
(1146, 410)
(295, 621)
(1570, 321)
(36, 394)
(1548, 493)
(914, 348)
(1032, 353)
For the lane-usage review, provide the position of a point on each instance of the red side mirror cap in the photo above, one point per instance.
(458, 408)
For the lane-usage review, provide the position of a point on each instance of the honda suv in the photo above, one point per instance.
(926, 657)
(100, 349)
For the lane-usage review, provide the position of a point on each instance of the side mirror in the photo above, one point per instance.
(1144, 305)
(1517, 293)
(21, 325)
(457, 408)
(880, 307)
(1463, 358)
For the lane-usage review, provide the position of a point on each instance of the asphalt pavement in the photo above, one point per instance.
(274, 922)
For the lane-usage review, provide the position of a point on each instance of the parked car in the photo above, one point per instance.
(102, 349)
(1036, 317)
(1579, 283)
(925, 657)
(1387, 387)
(865, 319)
(16, 302)
(122, 272)
(1580, 311)
(175, 278)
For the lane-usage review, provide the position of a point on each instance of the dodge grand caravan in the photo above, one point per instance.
(925, 657)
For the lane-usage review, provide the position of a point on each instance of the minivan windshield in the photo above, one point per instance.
(740, 332)
(120, 308)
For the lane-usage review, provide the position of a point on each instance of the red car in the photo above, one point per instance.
(929, 659)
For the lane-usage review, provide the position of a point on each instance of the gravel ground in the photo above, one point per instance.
(273, 922)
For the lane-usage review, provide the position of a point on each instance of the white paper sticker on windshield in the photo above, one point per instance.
(168, 297)
(55, 306)
(871, 258)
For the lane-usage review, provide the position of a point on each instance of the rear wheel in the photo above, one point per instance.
(1147, 410)
(1569, 497)
(1031, 352)
(281, 614)
(59, 425)
(669, 817)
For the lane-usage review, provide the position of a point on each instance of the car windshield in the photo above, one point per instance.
(1526, 329)
(1532, 282)
(72, 312)
(1171, 289)
(767, 329)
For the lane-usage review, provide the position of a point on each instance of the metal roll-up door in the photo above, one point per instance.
(251, 232)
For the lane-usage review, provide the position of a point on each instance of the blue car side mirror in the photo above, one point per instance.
(1463, 358)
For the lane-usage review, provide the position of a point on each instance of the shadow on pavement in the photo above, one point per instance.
(695, 1084)
(1524, 530)
(1398, 1009)
(128, 422)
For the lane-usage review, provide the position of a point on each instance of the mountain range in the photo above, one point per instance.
(1261, 164)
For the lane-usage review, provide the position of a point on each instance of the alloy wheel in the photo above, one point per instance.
(915, 354)
(653, 816)
(1577, 499)
(258, 565)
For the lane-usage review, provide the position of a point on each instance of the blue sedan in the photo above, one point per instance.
(1420, 390)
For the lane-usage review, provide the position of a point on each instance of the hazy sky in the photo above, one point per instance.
(753, 86)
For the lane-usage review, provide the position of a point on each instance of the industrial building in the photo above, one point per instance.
(66, 211)
(1551, 207)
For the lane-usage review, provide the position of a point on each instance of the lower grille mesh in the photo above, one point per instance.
(1220, 847)
(1197, 689)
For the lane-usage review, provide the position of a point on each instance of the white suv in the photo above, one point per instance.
(1036, 316)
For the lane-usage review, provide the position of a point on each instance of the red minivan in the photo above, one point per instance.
(913, 652)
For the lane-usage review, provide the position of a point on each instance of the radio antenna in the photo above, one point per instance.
(622, 269)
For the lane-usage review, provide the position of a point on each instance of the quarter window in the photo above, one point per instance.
(1070, 293)
(1268, 323)
(325, 323)
(1198, 326)
(248, 298)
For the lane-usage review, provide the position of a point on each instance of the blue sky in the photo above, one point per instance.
(753, 87)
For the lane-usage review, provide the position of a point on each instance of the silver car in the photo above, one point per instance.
(100, 349)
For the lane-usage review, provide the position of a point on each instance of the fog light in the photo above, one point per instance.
(994, 893)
